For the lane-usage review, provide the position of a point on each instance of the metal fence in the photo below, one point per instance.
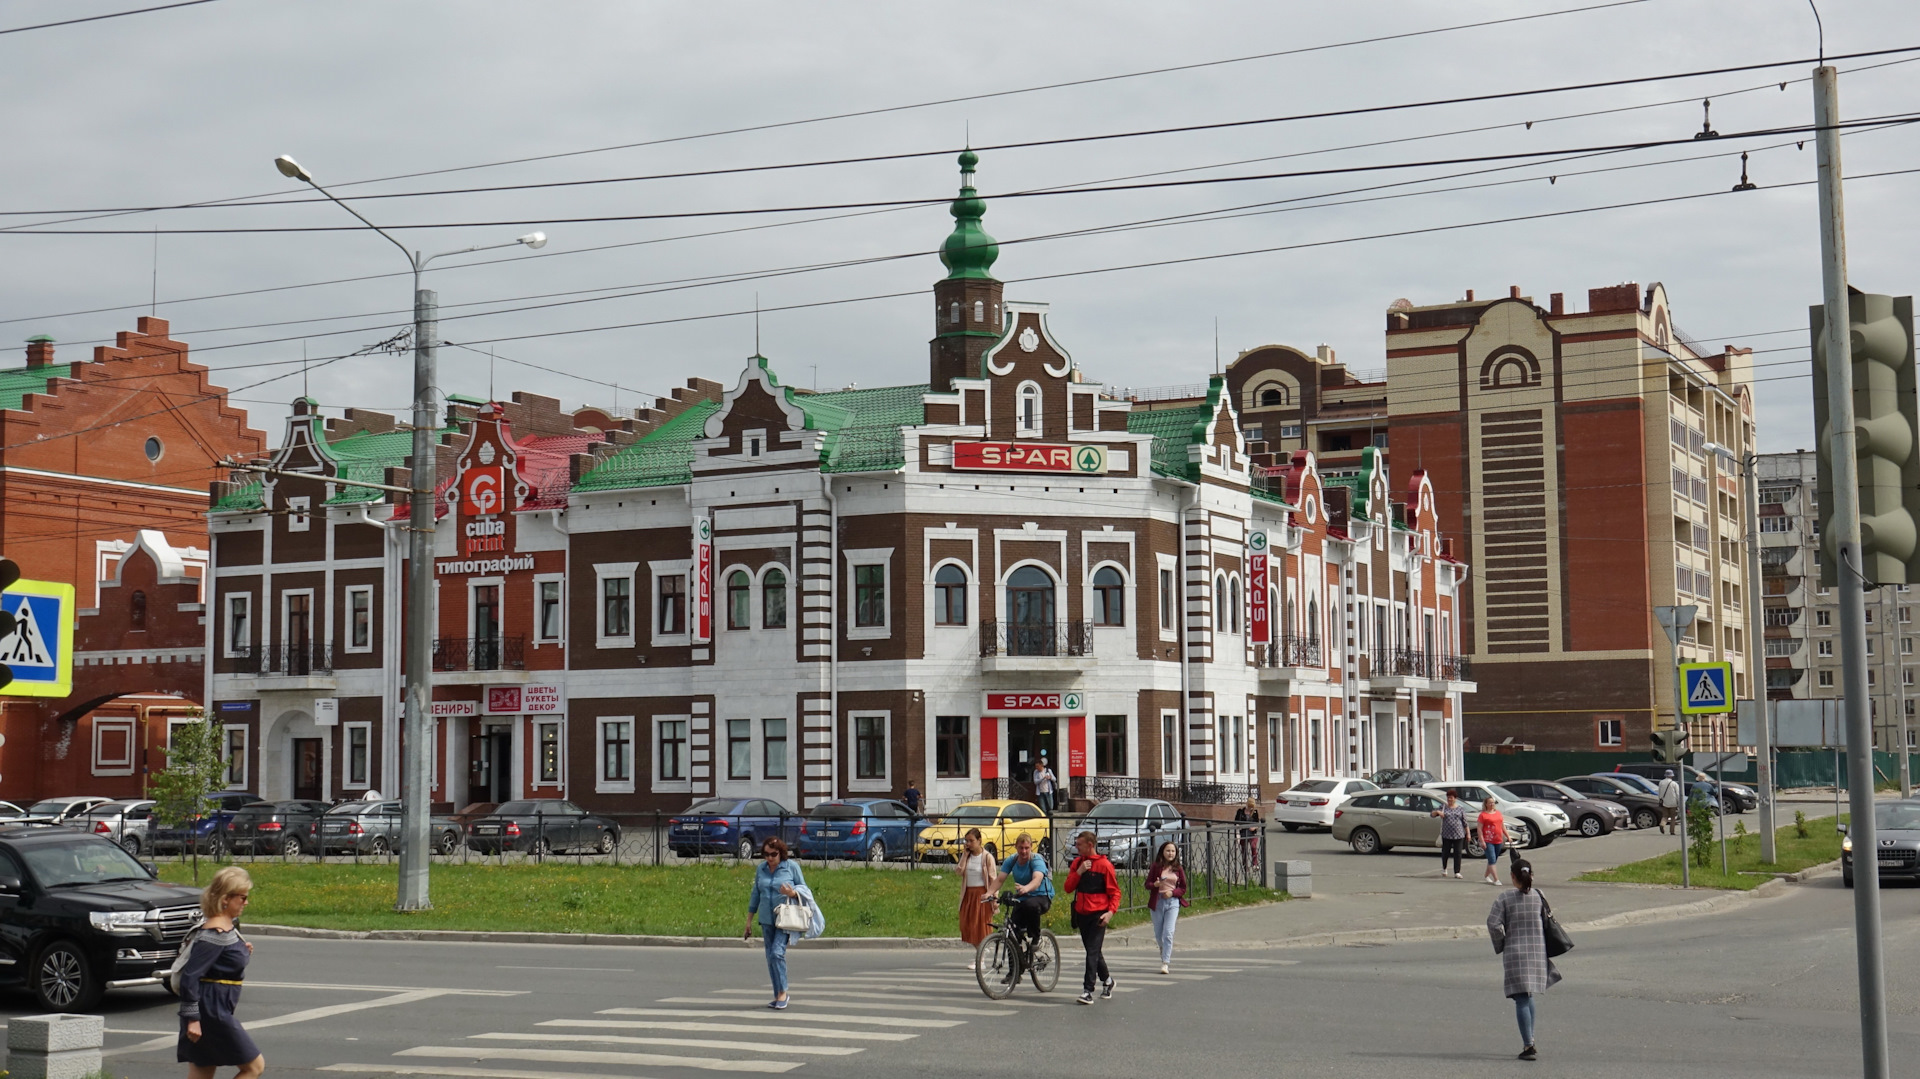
(1036, 638)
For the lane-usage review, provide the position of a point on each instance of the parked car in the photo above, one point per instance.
(1374, 821)
(1642, 805)
(79, 915)
(1738, 797)
(471, 812)
(542, 826)
(1896, 827)
(358, 827)
(275, 827)
(1401, 777)
(1586, 816)
(1529, 823)
(872, 828)
(10, 813)
(207, 833)
(60, 810)
(1129, 830)
(1000, 820)
(736, 825)
(1312, 802)
(124, 821)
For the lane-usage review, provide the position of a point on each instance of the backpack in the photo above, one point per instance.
(170, 978)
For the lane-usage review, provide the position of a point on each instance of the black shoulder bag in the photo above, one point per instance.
(1558, 942)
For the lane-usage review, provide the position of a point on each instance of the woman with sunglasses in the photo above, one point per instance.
(777, 878)
(209, 984)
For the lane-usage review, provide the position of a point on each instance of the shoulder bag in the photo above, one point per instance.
(791, 916)
(1558, 942)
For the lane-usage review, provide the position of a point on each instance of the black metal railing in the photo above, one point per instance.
(1456, 668)
(1036, 638)
(1415, 663)
(479, 654)
(1288, 652)
(241, 659)
(1101, 788)
(303, 657)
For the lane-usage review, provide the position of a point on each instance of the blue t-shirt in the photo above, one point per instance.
(1021, 874)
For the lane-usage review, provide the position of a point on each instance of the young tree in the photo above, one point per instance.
(195, 769)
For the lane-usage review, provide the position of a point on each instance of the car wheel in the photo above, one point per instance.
(62, 980)
(744, 849)
(130, 844)
(1476, 848)
(379, 845)
(1364, 841)
(217, 848)
(608, 841)
(290, 847)
(877, 852)
(542, 846)
(1591, 825)
(1290, 826)
(992, 852)
(1520, 834)
(449, 842)
(1846, 876)
(1645, 818)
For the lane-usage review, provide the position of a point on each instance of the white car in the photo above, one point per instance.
(1529, 823)
(1312, 801)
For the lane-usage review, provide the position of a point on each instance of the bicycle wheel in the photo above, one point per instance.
(996, 966)
(1046, 962)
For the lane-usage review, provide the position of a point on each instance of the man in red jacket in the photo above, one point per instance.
(1096, 898)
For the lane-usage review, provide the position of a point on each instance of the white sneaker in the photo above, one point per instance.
(1164, 968)
(1456, 876)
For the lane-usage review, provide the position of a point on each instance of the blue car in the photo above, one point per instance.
(872, 828)
(209, 833)
(729, 826)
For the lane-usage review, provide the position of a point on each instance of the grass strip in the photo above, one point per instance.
(1746, 870)
(686, 900)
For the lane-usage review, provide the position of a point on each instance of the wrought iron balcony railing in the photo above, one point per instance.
(1036, 638)
(479, 654)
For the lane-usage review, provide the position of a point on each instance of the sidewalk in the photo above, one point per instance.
(1402, 890)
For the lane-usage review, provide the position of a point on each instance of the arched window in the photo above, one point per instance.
(1220, 604)
(979, 310)
(1286, 628)
(1272, 396)
(773, 599)
(1029, 409)
(950, 596)
(996, 316)
(1233, 604)
(139, 610)
(1109, 597)
(739, 600)
(953, 312)
(1030, 605)
(1313, 619)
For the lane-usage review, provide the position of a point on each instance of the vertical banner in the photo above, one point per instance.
(989, 747)
(1076, 745)
(702, 620)
(1259, 617)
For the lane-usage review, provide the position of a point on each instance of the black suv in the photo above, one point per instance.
(79, 916)
(1739, 797)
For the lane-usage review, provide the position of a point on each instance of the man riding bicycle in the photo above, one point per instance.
(1031, 883)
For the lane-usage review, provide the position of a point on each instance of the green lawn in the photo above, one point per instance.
(686, 900)
(1743, 860)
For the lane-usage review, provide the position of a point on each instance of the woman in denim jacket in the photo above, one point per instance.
(776, 879)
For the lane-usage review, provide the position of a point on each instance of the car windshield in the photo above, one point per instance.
(51, 805)
(1313, 786)
(352, 809)
(1111, 811)
(1503, 793)
(1900, 817)
(531, 807)
(65, 865)
(838, 812)
(705, 805)
(973, 814)
(1565, 791)
(1637, 781)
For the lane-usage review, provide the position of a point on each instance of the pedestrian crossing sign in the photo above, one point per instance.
(1706, 688)
(39, 651)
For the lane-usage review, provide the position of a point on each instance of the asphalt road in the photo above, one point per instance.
(1766, 989)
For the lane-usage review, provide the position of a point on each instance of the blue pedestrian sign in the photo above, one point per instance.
(39, 651)
(1706, 688)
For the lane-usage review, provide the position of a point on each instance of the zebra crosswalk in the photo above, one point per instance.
(833, 1017)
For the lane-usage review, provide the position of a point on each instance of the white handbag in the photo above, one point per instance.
(791, 916)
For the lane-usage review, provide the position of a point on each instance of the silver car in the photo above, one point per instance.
(124, 821)
(1127, 829)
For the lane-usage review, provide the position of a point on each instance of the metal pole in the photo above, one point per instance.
(1757, 654)
(1845, 527)
(417, 753)
(1899, 653)
(1686, 796)
(1720, 771)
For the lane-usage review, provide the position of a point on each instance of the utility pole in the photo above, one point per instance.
(1757, 652)
(1675, 621)
(1850, 580)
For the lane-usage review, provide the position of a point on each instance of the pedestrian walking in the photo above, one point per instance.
(209, 984)
(1703, 791)
(1166, 894)
(1453, 833)
(1669, 804)
(1032, 883)
(912, 797)
(1249, 837)
(1096, 899)
(1493, 833)
(1045, 783)
(977, 879)
(1517, 926)
(777, 878)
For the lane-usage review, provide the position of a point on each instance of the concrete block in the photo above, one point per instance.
(56, 1033)
(72, 1064)
(1294, 878)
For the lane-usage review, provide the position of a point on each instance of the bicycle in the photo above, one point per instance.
(1006, 954)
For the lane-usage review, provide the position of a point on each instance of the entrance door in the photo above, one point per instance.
(486, 627)
(492, 769)
(307, 764)
(1031, 593)
(1027, 741)
(299, 639)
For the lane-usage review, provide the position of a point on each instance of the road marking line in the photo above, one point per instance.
(692, 1043)
(784, 1030)
(879, 1000)
(304, 1016)
(581, 1056)
(252, 984)
(455, 1070)
(605, 970)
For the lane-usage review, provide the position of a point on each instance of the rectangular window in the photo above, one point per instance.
(1110, 745)
(1823, 618)
(673, 604)
(739, 749)
(673, 749)
(358, 752)
(1166, 600)
(1824, 648)
(1316, 747)
(548, 617)
(240, 624)
(297, 507)
(359, 619)
(773, 739)
(616, 751)
(616, 607)
(869, 596)
(1273, 743)
(1169, 744)
(950, 759)
(1826, 678)
(1256, 433)
(236, 756)
(1289, 430)
(870, 747)
(547, 752)
(113, 747)
(1610, 733)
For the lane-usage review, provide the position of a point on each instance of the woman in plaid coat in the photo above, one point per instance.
(1519, 937)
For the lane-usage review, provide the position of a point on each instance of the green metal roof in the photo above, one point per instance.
(968, 251)
(1175, 429)
(663, 457)
(16, 383)
(363, 455)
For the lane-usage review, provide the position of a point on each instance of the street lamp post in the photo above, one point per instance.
(416, 770)
(1756, 644)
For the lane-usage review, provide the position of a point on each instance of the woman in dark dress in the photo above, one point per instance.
(209, 985)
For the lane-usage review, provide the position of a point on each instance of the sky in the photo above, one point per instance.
(192, 105)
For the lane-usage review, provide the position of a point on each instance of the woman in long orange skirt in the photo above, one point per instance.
(977, 874)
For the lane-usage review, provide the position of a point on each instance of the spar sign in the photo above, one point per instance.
(1259, 617)
(1030, 457)
(1029, 703)
(702, 580)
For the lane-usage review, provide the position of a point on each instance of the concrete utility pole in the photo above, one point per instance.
(1849, 581)
(1756, 649)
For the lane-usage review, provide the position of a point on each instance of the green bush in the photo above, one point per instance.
(1800, 823)
(1700, 831)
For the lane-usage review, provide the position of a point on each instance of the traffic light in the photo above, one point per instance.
(1885, 420)
(9, 573)
(1669, 746)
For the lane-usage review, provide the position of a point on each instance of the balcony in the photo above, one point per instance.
(1413, 668)
(1290, 659)
(1036, 646)
(479, 654)
(298, 666)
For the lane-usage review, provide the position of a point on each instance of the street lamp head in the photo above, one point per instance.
(291, 169)
(1721, 451)
(535, 240)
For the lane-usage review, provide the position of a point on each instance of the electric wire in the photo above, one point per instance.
(108, 15)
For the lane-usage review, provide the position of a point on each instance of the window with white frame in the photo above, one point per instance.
(357, 755)
(1611, 733)
(359, 628)
(1027, 410)
(1109, 597)
(546, 752)
(1169, 744)
(113, 747)
(235, 753)
(613, 614)
(672, 612)
(773, 748)
(1233, 604)
(739, 749)
(950, 595)
(773, 598)
(1276, 726)
(297, 510)
(239, 634)
(872, 764)
(670, 755)
(1316, 744)
(869, 585)
(549, 610)
(1166, 601)
(613, 763)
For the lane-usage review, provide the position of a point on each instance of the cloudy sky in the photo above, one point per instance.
(394, 99)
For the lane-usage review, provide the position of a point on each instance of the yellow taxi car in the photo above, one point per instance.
(1000, 821)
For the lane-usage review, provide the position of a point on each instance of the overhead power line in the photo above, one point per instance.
(108, 15)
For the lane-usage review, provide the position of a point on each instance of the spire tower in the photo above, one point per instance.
(967, 309)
